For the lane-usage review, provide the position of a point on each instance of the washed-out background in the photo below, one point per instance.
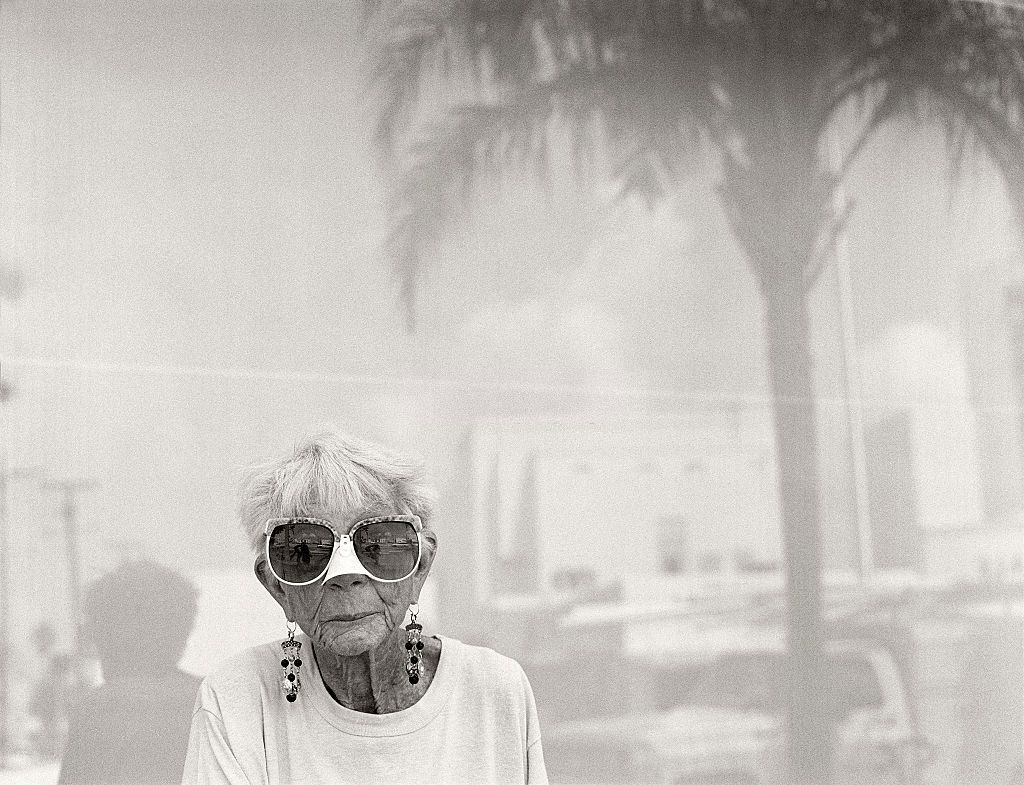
(195, 274)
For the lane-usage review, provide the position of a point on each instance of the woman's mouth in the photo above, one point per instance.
(352, 617)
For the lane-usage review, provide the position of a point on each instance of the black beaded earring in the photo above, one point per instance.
(291, 663)
(413, 646)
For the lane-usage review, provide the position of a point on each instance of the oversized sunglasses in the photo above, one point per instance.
(303, 550)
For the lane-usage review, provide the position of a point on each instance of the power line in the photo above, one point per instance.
(383, 381)
(250, 374)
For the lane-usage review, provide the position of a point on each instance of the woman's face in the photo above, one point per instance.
(349, 614)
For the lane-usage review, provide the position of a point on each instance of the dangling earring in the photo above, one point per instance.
(291, 663)
(413, 645)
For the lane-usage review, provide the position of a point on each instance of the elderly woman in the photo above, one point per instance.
(353, 694)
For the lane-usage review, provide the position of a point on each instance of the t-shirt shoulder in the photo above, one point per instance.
(488, 672)
(502, 684)
(481, 660)
(242, 675)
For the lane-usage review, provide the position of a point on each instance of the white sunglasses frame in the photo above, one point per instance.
(344, 539)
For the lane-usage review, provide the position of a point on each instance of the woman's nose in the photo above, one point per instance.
(346, 580)
(343, 562)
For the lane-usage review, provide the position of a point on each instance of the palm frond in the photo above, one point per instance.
(1001, 134)
(527, 66)
(448, 161)
(411, 35)
(957, 65)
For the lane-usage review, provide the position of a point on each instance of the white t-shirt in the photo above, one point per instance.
(476, 723)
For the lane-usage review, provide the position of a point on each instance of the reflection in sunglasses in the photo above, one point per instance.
(300, 544)
(299, 551)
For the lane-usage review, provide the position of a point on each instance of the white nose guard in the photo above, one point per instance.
(344, 561)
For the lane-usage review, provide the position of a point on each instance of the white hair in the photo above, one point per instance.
(331, 472)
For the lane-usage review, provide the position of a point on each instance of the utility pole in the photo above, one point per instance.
(69, 490)
(12, 284)
(5, 394)
(852, 382)
(6, 475)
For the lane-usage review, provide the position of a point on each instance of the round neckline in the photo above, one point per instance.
(396, 723)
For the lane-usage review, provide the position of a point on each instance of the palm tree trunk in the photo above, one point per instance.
(791, 377)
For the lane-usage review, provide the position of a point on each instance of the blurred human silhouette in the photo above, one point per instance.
(134, 728)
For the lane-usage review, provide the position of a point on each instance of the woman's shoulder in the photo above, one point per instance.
(243, 674)
(483, 664)
(495, 686)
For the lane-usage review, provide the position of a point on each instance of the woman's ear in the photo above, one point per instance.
(429, 550)
(271, 584)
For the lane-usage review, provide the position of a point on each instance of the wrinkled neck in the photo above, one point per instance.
(374, 682)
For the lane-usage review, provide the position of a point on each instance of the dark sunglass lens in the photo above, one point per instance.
(388, 550)
(300, 551)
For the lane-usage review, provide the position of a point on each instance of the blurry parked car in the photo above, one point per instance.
(718, 718)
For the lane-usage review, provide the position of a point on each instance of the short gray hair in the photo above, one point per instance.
(331, 471)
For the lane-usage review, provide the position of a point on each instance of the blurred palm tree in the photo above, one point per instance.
(772, 99)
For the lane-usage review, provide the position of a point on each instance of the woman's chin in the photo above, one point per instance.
(352, 638)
